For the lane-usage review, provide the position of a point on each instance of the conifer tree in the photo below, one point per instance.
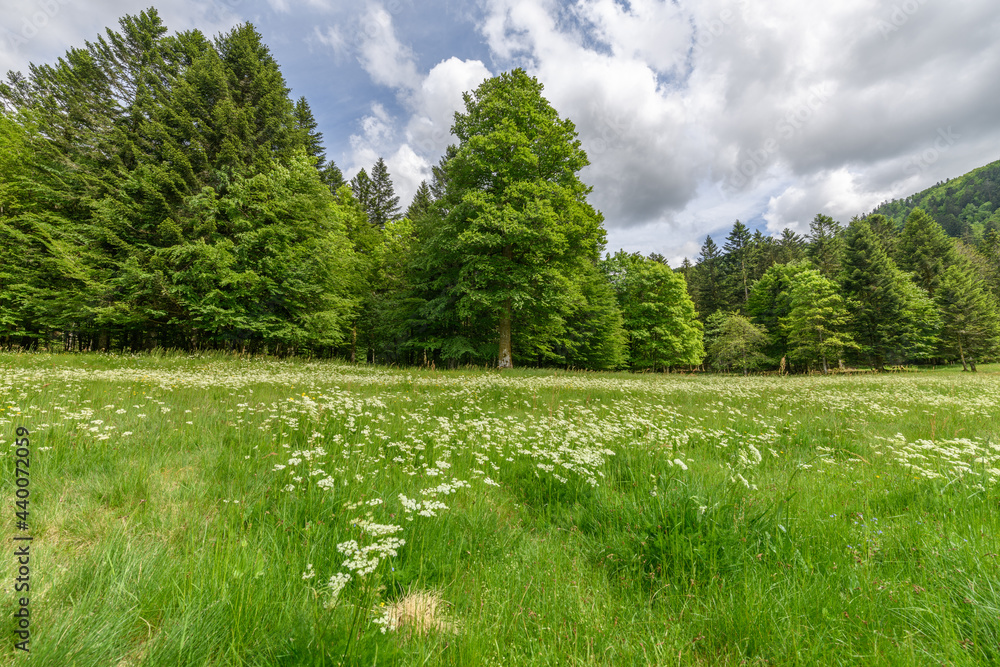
(384, 203)
(925, 250)
(738, 265)
(890, 320)
(332, 177)
(825, 245)
(363, 190)
(306, 123)
(708, 276)
(791, 247)
(971, 317)
(421, 202)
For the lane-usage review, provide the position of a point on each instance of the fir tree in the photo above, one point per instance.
(890, 322)
(738, 266)
(708, 276)
(825, 245)
(421, 202)
(306, 123)
(383, 206)
(925, 250)
(971, 318)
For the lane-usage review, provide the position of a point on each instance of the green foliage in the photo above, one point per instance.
(734, 342)
(707, 284)
(770, 302)
(658, 314)
(516, 224)
(925, 250)
(817, 320)
(971, 327)
(741, 257)
(383, 206)
(963, 206)
(893, 319)
(825, 244)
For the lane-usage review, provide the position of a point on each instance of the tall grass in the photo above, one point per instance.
(560, 518)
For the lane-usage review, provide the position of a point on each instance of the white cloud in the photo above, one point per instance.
(389, 62)
(435, 101)
(334, 39)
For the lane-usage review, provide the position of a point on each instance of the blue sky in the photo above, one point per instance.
(693, 114)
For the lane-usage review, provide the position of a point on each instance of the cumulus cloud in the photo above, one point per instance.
(693, 113)
(389, 62)
(781, 110)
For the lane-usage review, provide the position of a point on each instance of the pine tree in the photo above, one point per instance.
(262, 126)
(791, 247)
(887, 234)
(890, 318)
(363, 190)
(332, 177)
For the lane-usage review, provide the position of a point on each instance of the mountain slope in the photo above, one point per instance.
(965, 206)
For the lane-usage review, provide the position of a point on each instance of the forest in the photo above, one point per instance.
(165, 191)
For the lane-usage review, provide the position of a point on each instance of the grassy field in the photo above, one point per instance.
(208, 510)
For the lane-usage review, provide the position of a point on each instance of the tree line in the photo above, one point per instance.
(872, 293)
(164, 190)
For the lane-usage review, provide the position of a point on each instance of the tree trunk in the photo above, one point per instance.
(505, 360)
(972, 364)
(354, 342)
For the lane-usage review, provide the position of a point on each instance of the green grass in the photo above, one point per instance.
(581, 518)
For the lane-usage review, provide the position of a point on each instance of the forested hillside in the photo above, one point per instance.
(967, 207)
(163, 190)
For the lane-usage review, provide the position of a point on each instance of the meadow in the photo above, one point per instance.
(215, 510)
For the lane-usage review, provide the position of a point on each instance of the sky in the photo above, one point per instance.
(693, 113)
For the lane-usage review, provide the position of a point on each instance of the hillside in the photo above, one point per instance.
(964, 206)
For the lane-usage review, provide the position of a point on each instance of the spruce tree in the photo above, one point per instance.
(791, 247)
(363, 190)
(332, 177)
